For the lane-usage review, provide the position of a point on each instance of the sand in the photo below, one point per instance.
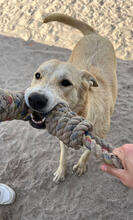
(114, 19)
(29, 157)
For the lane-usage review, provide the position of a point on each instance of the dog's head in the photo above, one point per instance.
(56, 82)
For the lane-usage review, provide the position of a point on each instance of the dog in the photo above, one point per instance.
(87, 82)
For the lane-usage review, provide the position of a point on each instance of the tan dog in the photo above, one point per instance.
(87, 83)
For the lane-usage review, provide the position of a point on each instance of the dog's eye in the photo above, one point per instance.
(65, 82)
(37, 75)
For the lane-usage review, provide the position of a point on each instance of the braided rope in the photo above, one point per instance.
(73, 130)
(12, 106)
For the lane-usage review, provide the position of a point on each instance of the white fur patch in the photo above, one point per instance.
(49, 94)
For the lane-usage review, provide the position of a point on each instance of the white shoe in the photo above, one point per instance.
(7, 194)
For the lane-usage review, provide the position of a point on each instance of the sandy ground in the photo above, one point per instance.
(29, 157)
(23, 18)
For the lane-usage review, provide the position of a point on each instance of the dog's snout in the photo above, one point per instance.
(37, 101)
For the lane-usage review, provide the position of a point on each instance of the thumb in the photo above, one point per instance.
(120, 173)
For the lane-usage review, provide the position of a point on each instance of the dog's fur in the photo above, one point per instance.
(91, 69)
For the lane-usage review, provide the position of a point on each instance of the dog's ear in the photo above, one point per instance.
(89, 78)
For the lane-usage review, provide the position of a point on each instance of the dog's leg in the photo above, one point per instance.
(82, 165)
(59, 175)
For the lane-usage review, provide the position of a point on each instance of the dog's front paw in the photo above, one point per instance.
(59, 175)
(80, 168)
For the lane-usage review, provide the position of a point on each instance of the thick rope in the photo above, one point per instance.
(73, 130)
(12, 106)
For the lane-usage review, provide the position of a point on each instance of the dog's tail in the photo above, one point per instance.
(83, 27)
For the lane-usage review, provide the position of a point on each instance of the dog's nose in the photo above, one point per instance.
(37, 101)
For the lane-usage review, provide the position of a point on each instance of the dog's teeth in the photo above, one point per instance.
(37, 122)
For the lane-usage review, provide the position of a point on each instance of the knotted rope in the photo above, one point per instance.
(12, 106)
(73, 130)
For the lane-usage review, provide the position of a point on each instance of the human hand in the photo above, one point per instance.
(125, 153)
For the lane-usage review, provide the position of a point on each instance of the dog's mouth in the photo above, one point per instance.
(37, 120)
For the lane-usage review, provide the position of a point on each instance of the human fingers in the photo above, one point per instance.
(120, 173)
(124, 149)
(120, 153)
(125, 153)
(125, 177)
